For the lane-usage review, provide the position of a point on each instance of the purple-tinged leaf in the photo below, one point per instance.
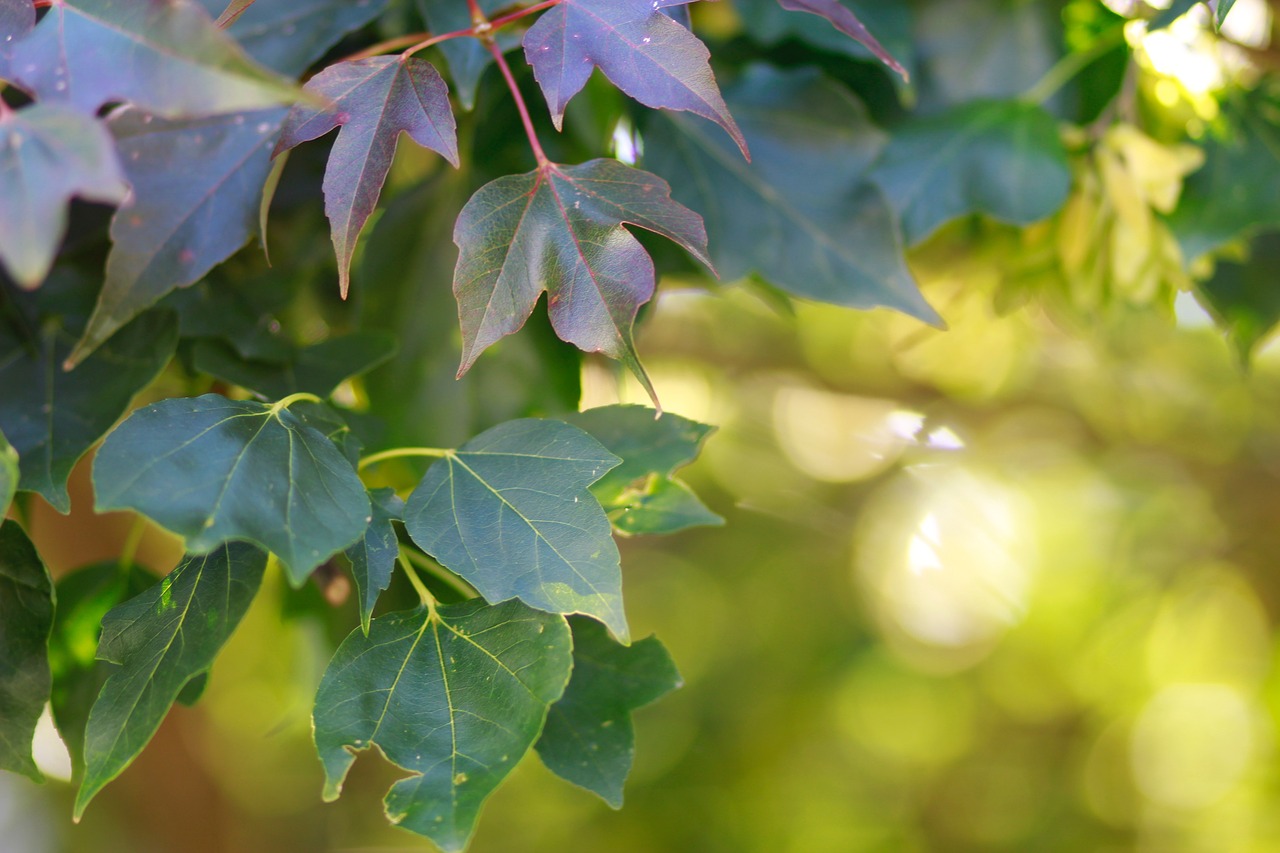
(846, 22)
(195, 200)
(560, 229)
(48, 154)
(642, 51)
(17, 18)
(288, 36)
(164, 56)
(374, 101)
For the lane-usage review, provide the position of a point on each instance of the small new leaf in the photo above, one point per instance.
(162, 639)
(588, 738)
(510, 513)
(48, 154)
(455, 694)
(373, 100)
(373, 558)
(163, 56)
(843, 19)
(215, 470)
(26, 617)
(641, 50)
(560, 229)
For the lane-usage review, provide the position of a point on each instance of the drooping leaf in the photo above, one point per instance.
(17, 18)
(196, 186)
(52, 416)
(456, 696)
(289, 35)
(1243, 296)
(1001, 158)
(48, 154)
(26, 616)
(317, 369)
(1176, 10)
(640, 495)
(844, 20)
(588, 738)
(560, 229)
(467, 57)
(510, 513)
(642, 51)
(8, 474)
(374, 101)
(215, 470)
(769, 22)
(163, 56)
(84, 597)
(802, 213)
(374, 557)
(162, 639)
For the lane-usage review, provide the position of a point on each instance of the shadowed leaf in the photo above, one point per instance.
(289, 35)
(467, 57)
(317, 369)
(844, 20)
(26, 617)
(374, 557)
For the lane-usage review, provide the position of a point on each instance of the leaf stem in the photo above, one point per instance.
(422, 561)
(301, 396)
(1065, 69)
(129, 553)
(428, 600)
(520, 104)
(402, 452)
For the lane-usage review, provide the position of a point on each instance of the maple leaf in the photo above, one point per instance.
(639, 48)
(373, 100)
(846, 22)
(559, 229)
(17, 18)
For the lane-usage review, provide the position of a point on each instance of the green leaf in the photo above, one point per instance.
(8, 474)
(162, 639)
(289, 35)
(588, 738)
(1224, 7)
(26, 616)
(317, 369)
(52, 416)
(1176, 10)
(457, 696)
(88, 53)
(196, 188)
(84, 598)
(1001, 158)
(640, 494)
(48, 154)
(802, 213)
(215, 470)
(1243, 296)
(374, 557)
(510, 513)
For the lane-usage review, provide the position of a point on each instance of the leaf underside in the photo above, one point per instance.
(26, 617)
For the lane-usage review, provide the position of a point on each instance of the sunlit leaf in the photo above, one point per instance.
(456, 696)
(588, 738)
(642, 51)
(509, 511)
(317, 369)
(8, 474)
(162, 639)
(844, 20)
(26, 616)
(374, 101)
(48, 154)
(215, 470)
(374, 557)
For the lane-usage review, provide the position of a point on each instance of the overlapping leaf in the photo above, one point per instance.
(467, 57)
(588, 738)
(162, 640)
(8, 474)
(317, 369)
(374, 101)
(1001, 158)
(164, 56)
(289, 35)
(509, 511)
(52, 416)
(196, 185)
(844, 20)
(215, 470)
(560, 229)
(48, 154)
(641, 495)
(802, 213)
(642, 51)
(26, 617)
(374, 557)
(457, 696)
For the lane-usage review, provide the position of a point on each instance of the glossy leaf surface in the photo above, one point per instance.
(802, 214)
(560, 229)
(588, 738)
(456, 696)
(215, 470)
(26, 617)
(163, 56)
(509, 511)
(642, 51)
(162, 639)
(374, 101)
(317, 369)
(1001, 158)
(49, 154)
(374, 557)
(196, 188)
